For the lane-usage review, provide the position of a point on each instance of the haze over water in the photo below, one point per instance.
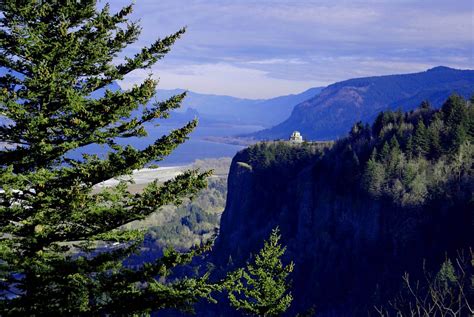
(194, 148)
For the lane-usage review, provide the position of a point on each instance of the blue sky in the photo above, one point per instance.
(263, 48)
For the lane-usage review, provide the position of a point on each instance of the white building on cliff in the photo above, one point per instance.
(296, 137)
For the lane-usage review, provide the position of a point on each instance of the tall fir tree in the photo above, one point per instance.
(434, 134)
(374, 175)
(55, 55)
(393, 163)
(456, 115)
(421, 139)
(262, 289)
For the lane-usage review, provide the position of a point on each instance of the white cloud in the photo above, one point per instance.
(261, 48)
(274, 61)
(222, 79)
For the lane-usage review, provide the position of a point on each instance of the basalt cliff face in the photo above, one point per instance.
(336, 239)
(350, 246)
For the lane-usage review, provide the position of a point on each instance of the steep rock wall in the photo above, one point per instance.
(350, 249)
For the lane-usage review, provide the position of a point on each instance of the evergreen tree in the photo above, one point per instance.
(425, 105)
(58, 53)
(434, 134)
(357, 129)
(421, 139)
(384, 153)
(394, 157)
(409, 147)
(378, 124)
(454, 110)
(374, 175)
(262, 289)
(456, 116)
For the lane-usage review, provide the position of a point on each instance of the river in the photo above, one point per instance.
(194, 148)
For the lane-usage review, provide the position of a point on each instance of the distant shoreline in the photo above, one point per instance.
(145, 176)
(239, 141)
(148, 175)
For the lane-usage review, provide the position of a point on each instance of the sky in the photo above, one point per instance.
(267, 48)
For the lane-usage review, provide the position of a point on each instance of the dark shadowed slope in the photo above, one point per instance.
(356, 215)
(332, 112)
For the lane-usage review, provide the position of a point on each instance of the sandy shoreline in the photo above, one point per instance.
(148, 175)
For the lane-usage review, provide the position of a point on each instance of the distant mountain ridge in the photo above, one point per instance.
(210, 108)
(264, 112)
(333, 111)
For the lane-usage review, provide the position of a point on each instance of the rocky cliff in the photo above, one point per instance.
(351, 246)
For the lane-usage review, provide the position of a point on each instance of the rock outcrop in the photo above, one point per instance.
(350, 249)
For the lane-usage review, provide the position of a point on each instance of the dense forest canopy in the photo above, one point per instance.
(419, 155)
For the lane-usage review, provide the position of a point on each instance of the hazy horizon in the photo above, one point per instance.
(262, 49)
(290, 93)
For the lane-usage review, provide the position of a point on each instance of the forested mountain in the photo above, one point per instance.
(355, 215)
(264, 112)
(332, 112)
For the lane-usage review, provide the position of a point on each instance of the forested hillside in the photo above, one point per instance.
(331, 113)
(357, 215)
(188, 224)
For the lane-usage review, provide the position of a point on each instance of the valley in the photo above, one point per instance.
(346, 208)
(236, 158)
(388, 198)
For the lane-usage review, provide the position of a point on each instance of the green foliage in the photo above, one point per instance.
(189, 224)
(370, 193)
(456, 117)
(421, 140)
(63, 245)
(374, 177)
(422, 154)
(281, 155)
(58, 54)
(262, 288)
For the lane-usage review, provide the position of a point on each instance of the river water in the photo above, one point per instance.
(194, 148)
